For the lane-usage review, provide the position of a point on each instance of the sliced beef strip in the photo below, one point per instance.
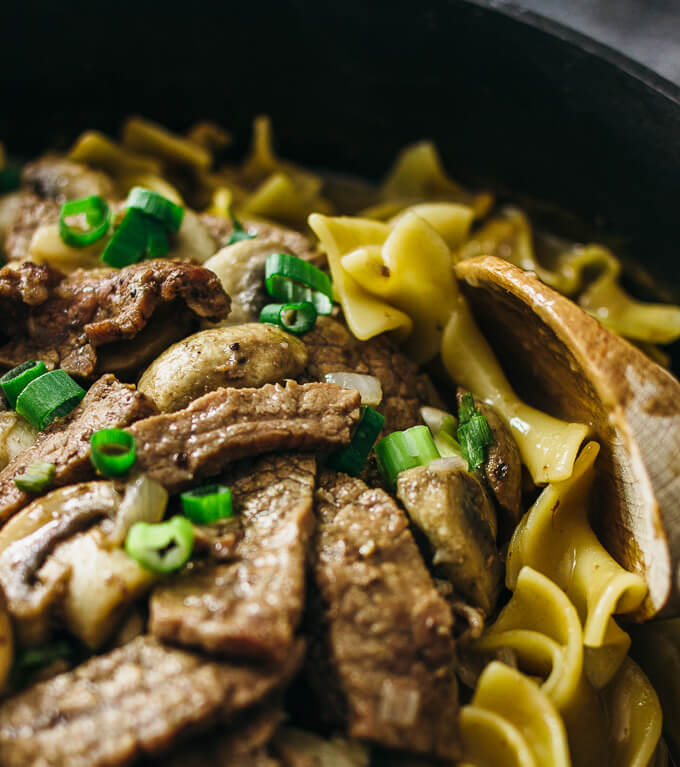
(387, 631)
(32, 212)
(177, 448)
(135, 701)
(332, 349)
(89, 308)
(298, 244)
(66, 442)
(244, 744)
(59, 179)
(252, 606)
(503, 466)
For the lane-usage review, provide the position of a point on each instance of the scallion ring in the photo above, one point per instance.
(239, 233)
(14, 381)
(162, 547)
(129, 242)
(403, 450)
(51, 395)
(156, 206)
(157, 239)
(351, 459)
(290, 279)
(474, 433)
(36, 478)
(295, 318)
(207, 504)
(97, 214)
(112, 451)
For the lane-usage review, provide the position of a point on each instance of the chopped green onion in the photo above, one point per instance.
(97, 215)
(352, 458)
(474, 437)
(466, 409)
(50, 396)
(403, 450)
(295, 318)
(239, 233)
(129, 242)
(290, 279)
(15, 380)
(10, 180)
(112, 451)
(158, 207)
(157, 238)
(36, 478)
(207, 504)
(162, 547)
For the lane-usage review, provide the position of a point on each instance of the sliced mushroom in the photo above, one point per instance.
(241, 356)
(57, 564)
(61, 179)
(452, 508)
(563, 358)
(16, 435)
(240, 268)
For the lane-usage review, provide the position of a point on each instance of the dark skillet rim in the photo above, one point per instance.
(583, 42)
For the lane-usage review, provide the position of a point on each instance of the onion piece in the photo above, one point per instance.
(436, 420)
(368, 386)
(144, 501)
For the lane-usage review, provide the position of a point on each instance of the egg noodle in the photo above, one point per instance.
(568, 693)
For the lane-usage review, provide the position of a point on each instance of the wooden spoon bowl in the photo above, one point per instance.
(563, 360)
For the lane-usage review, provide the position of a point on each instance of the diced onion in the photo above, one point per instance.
(437, 420)
(144, 501)
(368, 386)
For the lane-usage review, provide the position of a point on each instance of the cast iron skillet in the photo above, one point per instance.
(512, 99)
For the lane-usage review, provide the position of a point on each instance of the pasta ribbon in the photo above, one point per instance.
(548, 446)
(451, 220)
(98, 151)
(47, 247)
(148, 138)
(509, 236)
(510, 721)
(418, 176)
(555, 538)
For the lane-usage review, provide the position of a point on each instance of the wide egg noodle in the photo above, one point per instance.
(523, 728)
(509, 236)
(555, 538)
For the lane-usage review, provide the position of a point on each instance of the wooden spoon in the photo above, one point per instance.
(563, 360)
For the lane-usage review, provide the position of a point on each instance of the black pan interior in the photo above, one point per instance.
(511, 100)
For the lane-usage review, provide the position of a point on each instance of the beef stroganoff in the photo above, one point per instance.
(267, 495)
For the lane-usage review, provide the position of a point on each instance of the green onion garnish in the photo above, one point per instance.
(129, 242)
(295, 318)
(158, 207)
(157, 238)
(403, 450)
(474, 433)
(207, 504)
(162, 547)
(112, 451)
(14, 381)
(10, 179)
(352, 458)
(239, 233)
(50, 396)
(290, 279)
(97, 215)
(36, 478)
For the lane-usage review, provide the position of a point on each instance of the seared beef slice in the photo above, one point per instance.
(228, 424)
(66, 442)
(387, 632)
(136, 700)
(250, 606)
(333, 349)
(89, 308)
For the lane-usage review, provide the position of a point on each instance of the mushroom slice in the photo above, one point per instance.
(564, 357)
(241, 356)
(452, 508)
